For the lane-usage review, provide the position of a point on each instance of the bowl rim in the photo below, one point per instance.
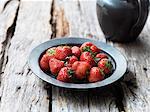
(120, 61)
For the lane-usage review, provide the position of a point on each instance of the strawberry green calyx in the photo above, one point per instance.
(70, 72)
(109, 65)
(93, 54)
(87, 72)
(96, 59)
(51, 51)
(66, 46)
(87, 49)
(102, 71)
(65, 63)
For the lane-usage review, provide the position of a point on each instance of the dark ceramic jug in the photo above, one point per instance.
(122, 20)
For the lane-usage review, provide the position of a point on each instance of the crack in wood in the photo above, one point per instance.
(118, 93)
(48, 87)
(6, 4)
(18, 88)
(58, 21)
(131, 83)
(52, 21)
(60, 27)
(88, 101)
(145, 69)
(111, 102)
(79, 5)
(6, 43)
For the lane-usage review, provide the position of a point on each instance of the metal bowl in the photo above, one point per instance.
(120, 62)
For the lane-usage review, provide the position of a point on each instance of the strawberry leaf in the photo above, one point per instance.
(70, 72)
(97, 59)
(102, 71)
(108, 64)
(86, 48)
(65, 63)
(51, 51)
(88, 72)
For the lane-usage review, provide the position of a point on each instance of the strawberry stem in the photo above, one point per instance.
(97, 59)
(102, 71)
(108, 64)
(71, 72)
(51, 51)
(88, 49)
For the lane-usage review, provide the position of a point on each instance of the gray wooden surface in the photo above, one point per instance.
(25, 24)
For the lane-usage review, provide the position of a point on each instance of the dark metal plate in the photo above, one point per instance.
(120, 62)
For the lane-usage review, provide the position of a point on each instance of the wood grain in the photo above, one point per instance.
(78, 101)
(25, 24)
(136, 83)
(64, 100)
(21, 90)
(4, 3)
(7, 20)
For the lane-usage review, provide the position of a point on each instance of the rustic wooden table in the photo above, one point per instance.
(25, 24)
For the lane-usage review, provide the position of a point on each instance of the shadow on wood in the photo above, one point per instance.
(100, 96)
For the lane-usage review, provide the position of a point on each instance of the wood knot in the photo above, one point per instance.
(144, 68)
(18, 88)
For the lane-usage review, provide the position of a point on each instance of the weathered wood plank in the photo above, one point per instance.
(66, 100)
(3, 4)
(99, 100)
(7, 18)
(136, 84)
(81, 20)
(21, 90)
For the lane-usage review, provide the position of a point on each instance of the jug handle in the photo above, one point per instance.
(140, 18)
(140, 13)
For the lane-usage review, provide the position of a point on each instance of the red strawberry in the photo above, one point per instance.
(62, 52)
(51, 51)
(86, 56)
(44, 62)
(90, 47)
(101, 55)
(95, 75)
(81, 69)
(55, 65)
(65, 74)
(105, 65)
(71, 60)
(75, 65)
(76, 51)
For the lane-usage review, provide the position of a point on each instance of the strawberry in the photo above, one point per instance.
(81, 69)
(96, 74)
(71, 60)
(105, 65)
(86, 56)
(62, 52)
(65, 74)
(51, 51)
(89, 47)
(76, 51)
(44, 62)
(55, 65)
(101, 55)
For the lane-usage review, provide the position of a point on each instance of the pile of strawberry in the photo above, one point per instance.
(74, 63)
